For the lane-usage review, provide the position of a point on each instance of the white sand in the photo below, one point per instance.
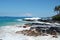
(8, 33)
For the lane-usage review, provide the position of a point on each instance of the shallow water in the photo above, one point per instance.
(10, 21)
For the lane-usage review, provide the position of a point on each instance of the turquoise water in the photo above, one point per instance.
(10, 21)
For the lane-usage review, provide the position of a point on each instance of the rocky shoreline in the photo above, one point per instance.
(29, 33)
(36, 33)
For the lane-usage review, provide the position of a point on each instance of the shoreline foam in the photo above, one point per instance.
(8, 33)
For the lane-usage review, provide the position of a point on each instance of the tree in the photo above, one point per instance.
(57, 9)
(57, 17)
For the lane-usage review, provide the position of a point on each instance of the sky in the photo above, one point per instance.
(35, 8)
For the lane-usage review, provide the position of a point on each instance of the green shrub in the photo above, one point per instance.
(57, 18)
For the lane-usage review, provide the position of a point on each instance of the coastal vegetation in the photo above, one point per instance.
(56, 17)
(57, 10)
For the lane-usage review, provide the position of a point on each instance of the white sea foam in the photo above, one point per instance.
(8, 33)
(19, 19)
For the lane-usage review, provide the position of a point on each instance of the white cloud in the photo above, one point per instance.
(27, 14)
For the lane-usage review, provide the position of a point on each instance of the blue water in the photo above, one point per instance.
(4, 21)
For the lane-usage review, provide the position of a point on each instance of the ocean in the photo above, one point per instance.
(6, 21)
